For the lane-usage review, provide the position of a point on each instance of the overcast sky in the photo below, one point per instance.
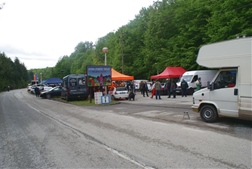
(39, 32)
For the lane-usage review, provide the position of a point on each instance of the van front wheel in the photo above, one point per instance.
(208, 113)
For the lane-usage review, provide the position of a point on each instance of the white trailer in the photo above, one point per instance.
(192, 76)
(230, 92)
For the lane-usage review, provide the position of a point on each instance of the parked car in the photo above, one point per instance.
(56, 91)
(119, 93)
(40, 86)
(47, 88)
(29, 87)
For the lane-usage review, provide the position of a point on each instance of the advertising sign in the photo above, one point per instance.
(99, 76)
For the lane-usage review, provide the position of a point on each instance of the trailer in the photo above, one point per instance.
(229, 94)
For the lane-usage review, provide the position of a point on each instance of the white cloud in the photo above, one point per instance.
(39, 32)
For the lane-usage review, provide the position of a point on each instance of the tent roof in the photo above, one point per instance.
(170, 72)
(118, 76)
(53, 81)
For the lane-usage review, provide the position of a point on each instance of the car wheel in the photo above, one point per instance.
(67, 98)
(208, 113)
(48, 96)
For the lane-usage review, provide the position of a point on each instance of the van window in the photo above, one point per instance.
(195, 78)
(72, 82)
(225, 79)
(82, 81)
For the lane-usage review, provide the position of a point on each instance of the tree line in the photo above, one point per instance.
(167, 33)
(12, 73)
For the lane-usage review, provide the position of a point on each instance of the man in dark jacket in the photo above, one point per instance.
(145, 89)
(184, 86)
(36, 90)
(168, 88)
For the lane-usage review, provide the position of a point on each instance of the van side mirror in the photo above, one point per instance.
(210, 86)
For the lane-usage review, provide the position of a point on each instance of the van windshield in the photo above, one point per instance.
(187, 78)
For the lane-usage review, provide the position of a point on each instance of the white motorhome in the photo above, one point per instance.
(230, 92)
(192, 76)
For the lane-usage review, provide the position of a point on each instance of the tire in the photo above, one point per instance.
(208, 113)
(67, 98)
(48, 96)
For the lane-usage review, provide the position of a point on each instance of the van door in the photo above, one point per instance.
(224, 94)
(82, 85)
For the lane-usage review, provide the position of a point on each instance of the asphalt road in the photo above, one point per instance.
(41, 133)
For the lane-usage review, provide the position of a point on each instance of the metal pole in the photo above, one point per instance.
(105, 59)
(41, 77)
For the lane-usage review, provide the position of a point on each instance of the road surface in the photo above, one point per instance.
(41, 133)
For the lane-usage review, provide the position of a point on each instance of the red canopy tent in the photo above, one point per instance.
(170, 72)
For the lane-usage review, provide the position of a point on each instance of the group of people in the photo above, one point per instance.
(7, 88)
(156, 88)
(170, 87)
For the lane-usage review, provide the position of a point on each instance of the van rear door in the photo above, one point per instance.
(82, 85)
(77, 85)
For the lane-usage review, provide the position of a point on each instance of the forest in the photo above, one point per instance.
(167, 33)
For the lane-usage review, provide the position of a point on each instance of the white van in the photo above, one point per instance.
(192, 76)
(137, 83)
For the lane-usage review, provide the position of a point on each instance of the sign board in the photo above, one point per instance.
(106, 99)
(97, 97)
(99, 76)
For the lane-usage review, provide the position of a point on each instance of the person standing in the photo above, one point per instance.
(36, 90)
(153, 90)
(168, 88)
(184, 86)
(173, 88)
(158, 88)
(129, 86)
(132, 86)
(141, 87)
(198, 84)
(145, 89)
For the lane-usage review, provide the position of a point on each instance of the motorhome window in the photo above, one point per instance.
(226, 79)
(82, 81)
(73, 82)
